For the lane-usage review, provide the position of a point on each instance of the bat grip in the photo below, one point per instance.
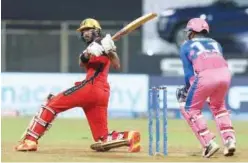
(116, 36)
(119, 34)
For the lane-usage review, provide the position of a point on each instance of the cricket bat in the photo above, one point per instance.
(115, 61)
(133, 25)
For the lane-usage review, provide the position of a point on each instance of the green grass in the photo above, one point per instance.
(69, 140)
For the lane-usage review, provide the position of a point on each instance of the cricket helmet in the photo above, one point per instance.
(89, 23)
(197, 25)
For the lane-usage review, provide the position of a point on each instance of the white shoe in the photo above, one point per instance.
(211, 149)
(230, 147)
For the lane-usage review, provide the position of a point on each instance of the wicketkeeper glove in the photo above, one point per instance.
(181, 94)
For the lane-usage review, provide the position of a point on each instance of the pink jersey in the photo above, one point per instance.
(200, 54)
(208, 60)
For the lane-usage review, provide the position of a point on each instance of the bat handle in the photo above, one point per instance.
(116, 36)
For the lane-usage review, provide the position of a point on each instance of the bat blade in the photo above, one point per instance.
(133, 25)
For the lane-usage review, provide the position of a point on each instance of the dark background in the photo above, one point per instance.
(71, 9)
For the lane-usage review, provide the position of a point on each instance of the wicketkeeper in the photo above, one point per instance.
(206, 76)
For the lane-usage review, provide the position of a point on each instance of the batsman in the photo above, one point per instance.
(206, 77)
(91, 94)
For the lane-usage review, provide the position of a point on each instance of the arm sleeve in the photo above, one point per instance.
(187, 65)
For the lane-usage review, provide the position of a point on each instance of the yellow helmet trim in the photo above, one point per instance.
(89, 23)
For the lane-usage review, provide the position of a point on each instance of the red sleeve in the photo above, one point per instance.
(100, 59)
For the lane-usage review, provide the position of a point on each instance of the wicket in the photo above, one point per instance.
(154, 108)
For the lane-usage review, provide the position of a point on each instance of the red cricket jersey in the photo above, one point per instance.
(97, 69)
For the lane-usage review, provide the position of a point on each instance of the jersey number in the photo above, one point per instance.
(203, 49)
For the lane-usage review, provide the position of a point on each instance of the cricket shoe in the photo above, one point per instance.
(26, 145)
(230, 147)
(211, 149)
(134, 141)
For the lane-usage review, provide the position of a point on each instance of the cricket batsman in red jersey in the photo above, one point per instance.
(92, 94)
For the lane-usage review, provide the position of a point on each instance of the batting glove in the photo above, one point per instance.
(95, 49)
(108, 44)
